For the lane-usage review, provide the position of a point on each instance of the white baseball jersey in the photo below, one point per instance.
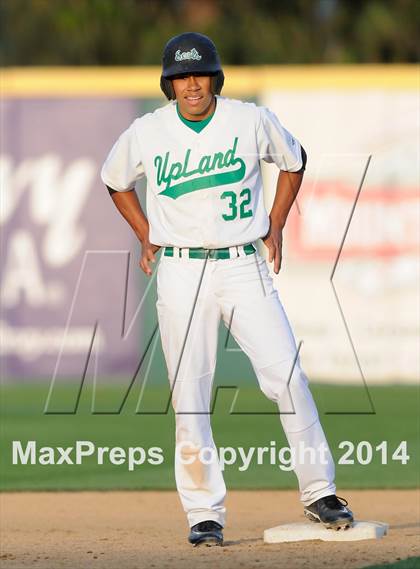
(204, 189)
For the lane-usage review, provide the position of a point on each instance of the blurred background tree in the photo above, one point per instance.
(133, 32)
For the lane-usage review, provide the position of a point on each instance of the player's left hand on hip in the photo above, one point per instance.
(274, 241)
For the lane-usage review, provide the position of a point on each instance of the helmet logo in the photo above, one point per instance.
(182, 56)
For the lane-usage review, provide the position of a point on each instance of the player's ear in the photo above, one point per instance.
(167, 88)
(217, 81)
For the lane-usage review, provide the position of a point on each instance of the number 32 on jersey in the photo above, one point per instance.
(236, 204)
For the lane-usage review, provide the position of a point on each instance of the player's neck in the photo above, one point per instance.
(202, 116)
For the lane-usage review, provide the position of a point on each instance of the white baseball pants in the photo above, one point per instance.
(193, 294)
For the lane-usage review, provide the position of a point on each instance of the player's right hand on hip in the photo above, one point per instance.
(148, 251)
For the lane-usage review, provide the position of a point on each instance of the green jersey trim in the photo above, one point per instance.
(196, 126)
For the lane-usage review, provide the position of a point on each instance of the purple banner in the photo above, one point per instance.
(69, 262)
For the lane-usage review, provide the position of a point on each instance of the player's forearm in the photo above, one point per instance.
(288, 184)
(129, 207)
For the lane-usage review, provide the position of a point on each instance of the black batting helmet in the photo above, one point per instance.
(190, 53)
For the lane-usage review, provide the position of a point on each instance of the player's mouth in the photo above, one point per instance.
(193, 100)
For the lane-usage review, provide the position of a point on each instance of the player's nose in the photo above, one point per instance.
(192, 82)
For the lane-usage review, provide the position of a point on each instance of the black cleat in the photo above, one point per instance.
(208, 533)
(330, 511)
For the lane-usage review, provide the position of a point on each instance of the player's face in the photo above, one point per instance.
(194, 96)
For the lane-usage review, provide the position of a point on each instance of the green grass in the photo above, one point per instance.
(409, 563)
(22, 418)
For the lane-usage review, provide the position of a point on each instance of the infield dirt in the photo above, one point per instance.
(136, 530)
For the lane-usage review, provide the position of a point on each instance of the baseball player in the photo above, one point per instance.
(201, 156)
